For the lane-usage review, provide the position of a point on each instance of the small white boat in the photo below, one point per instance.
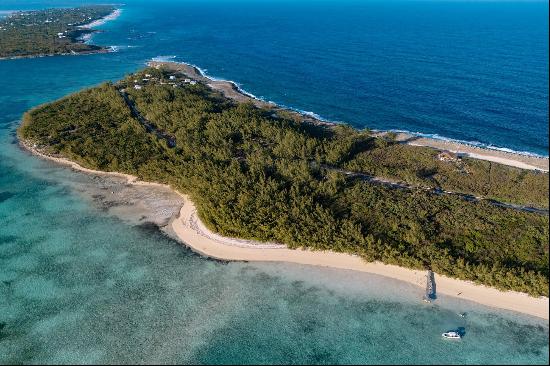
(451, 335)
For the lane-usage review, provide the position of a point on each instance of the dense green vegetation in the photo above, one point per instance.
(254, 173)
(421, 166)
(50, 31)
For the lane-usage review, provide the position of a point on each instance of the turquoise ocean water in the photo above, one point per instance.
(77, 285)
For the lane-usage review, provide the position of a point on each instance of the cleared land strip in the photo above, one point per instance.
(149, 127)
(438, 191)
(171, 142)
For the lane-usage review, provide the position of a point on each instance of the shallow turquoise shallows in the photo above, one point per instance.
(77, 285)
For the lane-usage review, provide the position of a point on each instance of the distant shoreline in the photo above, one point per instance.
(112, 16)
(82, 53)
(231, 90)
(189, 230)
(85, 28)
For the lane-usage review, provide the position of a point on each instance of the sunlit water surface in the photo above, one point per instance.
(78, 285)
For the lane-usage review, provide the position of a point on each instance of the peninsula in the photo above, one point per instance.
(260, 172)
(51, 31)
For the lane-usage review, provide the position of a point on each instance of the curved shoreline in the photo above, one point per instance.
(232, 90)
(96, 23)
(86, 27)
(194, 234)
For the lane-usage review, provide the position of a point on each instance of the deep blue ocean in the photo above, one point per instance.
(475, 71)
(77, 285)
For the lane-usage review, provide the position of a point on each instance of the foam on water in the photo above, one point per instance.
(163, 58)
(114, 15)
(204, 73)
(78, 284)
(238, 86)
(435, 136)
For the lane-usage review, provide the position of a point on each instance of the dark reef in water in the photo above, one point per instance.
(149, 227)
(4, 196)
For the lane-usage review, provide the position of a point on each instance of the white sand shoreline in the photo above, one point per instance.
(528, 162)
(112, 16)
(194, 234)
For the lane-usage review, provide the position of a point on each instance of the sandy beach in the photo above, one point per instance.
(502, 157)
(231, 90)
(193, 233)
(115, 14)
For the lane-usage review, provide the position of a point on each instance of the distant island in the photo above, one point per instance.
(258, 171)
(50, 32)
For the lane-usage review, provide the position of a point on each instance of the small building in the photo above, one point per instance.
(187, 80)
(192, 82)
(137, 87)
(447, 156)
(172, 77)
(147, 75)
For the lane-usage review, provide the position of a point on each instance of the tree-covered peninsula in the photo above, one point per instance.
(262, 173)
(49, 32)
